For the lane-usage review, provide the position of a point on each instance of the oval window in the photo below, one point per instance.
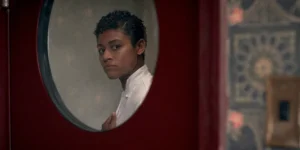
(97, 58)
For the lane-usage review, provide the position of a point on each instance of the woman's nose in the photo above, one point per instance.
(107, 55)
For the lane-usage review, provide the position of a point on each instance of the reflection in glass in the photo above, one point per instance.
(263, 37)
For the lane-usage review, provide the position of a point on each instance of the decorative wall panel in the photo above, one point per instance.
(263, 40)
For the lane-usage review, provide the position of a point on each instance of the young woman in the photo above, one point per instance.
(121, 42)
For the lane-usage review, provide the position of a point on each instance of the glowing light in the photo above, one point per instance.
(236, 16)
(237, 119)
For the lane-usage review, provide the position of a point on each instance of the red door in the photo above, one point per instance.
(4, 62)
(178, 113)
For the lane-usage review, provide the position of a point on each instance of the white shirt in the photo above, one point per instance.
(136, 89)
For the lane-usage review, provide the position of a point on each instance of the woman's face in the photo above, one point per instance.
(116, 54)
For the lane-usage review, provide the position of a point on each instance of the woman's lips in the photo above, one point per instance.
(109, 67)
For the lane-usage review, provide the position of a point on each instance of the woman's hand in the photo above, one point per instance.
(110, 122)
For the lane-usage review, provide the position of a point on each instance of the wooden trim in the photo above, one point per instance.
(209, 72)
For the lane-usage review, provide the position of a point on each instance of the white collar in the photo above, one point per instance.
(133, 78)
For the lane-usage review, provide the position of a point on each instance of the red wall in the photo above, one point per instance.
(4, 130)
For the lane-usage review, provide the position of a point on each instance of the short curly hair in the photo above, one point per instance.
(124, 20)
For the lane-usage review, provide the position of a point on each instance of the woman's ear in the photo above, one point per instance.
(140, 46)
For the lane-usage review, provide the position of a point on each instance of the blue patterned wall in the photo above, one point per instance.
(263, 40)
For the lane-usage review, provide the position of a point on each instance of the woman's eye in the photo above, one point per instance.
(101, 51)
(115, 47)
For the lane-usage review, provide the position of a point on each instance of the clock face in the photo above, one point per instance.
(292, 7)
